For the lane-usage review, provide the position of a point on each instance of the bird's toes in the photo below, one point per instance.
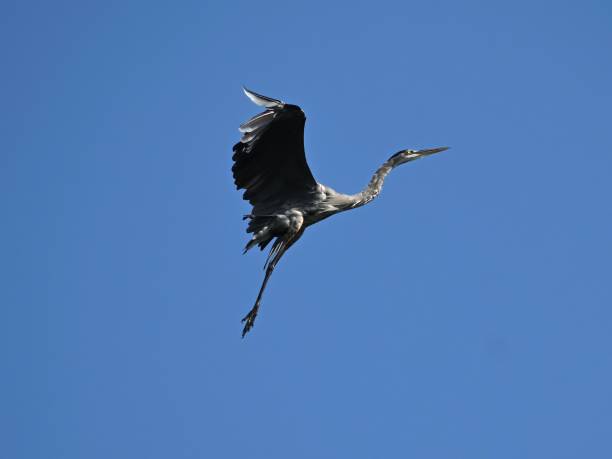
(247, 326)
(249, 321)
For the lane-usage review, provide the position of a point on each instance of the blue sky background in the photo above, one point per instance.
(464, 314)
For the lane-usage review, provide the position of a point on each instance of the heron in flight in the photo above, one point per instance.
(270, 165)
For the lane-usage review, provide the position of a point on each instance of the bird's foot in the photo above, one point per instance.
(249, 320)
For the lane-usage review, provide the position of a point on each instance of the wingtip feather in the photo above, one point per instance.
(262, 100)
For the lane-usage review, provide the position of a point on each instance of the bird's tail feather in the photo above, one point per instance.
(261, 227)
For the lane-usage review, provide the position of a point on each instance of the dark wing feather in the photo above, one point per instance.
(269, 161)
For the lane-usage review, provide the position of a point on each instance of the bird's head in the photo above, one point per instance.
(405, 156)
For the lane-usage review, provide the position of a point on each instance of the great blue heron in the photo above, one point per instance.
(270, 164)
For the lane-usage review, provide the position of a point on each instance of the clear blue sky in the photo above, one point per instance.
(464, 314)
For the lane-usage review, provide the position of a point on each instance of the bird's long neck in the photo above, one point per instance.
(374, 187)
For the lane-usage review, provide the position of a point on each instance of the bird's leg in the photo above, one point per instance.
(278, 249)
(249, 319)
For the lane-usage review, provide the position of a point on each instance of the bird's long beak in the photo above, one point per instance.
(431, 151)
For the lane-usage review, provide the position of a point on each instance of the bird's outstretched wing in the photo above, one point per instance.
(269, 161)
